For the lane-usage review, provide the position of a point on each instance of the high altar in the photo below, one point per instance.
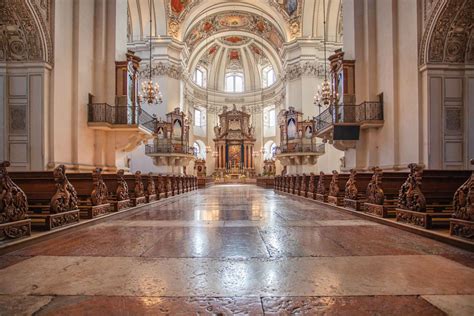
(234, 141)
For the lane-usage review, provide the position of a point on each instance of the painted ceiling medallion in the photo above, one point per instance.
(176, 11)
(292, 12)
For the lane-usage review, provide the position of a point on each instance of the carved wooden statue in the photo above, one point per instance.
(410, 196)
(351, 186)
(321, 186)
(463, 200)
(150, 187)
(13, 202)
(297, 183)
(99, 191)
(139, 188)
(65, 198)
(375, 193)
(334, 186)
(122, 187)
(169, 183)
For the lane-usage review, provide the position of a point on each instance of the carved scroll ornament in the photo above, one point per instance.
(321, 186)
(410, 196)
(463, 201)
(65, 198)
(351, 186)
(334, 186)
(99, 191)
(122, 187)
(375, 193)
(13, 202)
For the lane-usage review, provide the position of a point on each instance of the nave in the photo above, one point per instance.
(236, 249)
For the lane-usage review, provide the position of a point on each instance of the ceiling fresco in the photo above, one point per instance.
(234, 21)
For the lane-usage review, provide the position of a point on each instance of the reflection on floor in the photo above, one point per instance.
(237, 249)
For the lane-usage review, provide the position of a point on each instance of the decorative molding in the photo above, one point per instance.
(297, 70)
(26, 31)
(449, 32)
(162, 69)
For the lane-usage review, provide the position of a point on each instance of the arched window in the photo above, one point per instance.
(268, 76)
(197, 149)
(234, 82)
(200, 76)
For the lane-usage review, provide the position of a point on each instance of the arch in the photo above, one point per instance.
(270, 149)
(449, 34)
(200, 148)
(27, 34)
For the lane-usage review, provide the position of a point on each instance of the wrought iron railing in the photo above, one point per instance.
(366, 111)
(300, 148)
(153, 149)
(120, 115)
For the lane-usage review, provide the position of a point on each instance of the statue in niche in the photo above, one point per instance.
(161, 133)
(308, 132)
(217, 130)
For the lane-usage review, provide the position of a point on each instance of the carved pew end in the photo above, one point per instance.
(44, 221)
(384, 211)
(15, 230)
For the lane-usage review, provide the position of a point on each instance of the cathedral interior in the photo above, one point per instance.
(211, 157)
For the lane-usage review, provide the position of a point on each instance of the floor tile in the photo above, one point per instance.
(354, 305)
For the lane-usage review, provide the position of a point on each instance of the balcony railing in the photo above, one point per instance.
(356, 114)
(120, 115)
(301, 148)
(154, 149)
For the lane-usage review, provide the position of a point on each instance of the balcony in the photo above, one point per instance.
(134, 124)
(299, 154)
(169, 154)
(341, 124)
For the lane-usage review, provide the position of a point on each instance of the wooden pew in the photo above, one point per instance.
(429, 206)
(322, 189)
(304, 185)
(136, 188)
(312, 186)
(336, 192)
(92, 193)
(297, 184)
(355, 190)
(14, 221)
(119, 196)
(53, 200)
(382, 192)
(462, 223)
(151, 194)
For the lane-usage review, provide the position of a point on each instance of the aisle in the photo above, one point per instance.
(236, 249)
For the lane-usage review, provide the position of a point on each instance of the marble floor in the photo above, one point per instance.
(237, 249)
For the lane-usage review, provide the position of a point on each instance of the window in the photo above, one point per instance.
(234, 82)
(197, 117)
(268, 76)
(200, 76)
(197, 149)
(271, 118)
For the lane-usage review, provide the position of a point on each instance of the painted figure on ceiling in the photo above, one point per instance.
(178, 6)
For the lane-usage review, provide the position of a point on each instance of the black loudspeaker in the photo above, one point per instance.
(346, 132)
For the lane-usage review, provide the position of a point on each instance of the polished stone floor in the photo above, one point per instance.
(237, 249)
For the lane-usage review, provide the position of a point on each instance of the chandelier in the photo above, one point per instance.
(324, 95)
(150, 91)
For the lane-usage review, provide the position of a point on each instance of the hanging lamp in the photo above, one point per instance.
(150, 91)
